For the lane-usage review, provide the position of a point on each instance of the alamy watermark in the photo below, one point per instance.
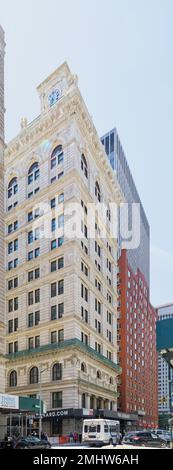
(92, 221)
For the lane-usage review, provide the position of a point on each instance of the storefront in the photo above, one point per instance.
(16, 414)
(65, 421)
(8, 404)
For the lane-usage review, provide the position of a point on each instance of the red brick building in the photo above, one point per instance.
(137, 346)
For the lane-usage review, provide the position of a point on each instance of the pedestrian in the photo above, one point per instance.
(75, 436)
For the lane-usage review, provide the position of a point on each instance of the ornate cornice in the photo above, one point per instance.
(71, 106)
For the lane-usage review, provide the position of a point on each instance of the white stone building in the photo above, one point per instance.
(2, 264)
(60, 291)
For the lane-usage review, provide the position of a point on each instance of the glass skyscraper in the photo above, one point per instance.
(137, 257)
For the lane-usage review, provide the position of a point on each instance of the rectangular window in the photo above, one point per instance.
(30, 320)
(30, 255)
(30, 237)
(84, 338)
(53, 312)
(10, 228)
(10, 348)
(60, 335)
(31, 343)
(10, 305)
(53, 289)
(15, 324)
(37, 317)
(10, 284)
(37, 296)
(16, 244)
(57, 400)
(30, 298)
(10, 248)
(60, 241)
(37, 273)
(30, 216)
(53, 225)
(15, 282)
(30, 276)
(53, 179)
(37, 341)
(10, 265)
(53, 337)
(15, 262)
(37, 252)
(16, 346)
(60, 198)
(60, 263)
(16, 303)
(60, 310)
(61, 221)
(10, 326)
(60, 287)
(53, 203)
(53, 244)
(53, 266)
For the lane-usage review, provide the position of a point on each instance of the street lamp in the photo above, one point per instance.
(40, 389)
(170, 381)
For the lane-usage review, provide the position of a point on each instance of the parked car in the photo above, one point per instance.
(144, 439)
(32, 442)
(164, 434)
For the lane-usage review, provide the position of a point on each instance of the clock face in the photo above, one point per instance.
(54, 96)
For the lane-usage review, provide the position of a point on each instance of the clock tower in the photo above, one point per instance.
(2, 253)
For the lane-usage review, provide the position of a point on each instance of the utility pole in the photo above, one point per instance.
(170, 403)
(40, 392)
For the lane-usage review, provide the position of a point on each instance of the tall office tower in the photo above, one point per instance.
(2, 264)
(136, 316)
(139, 258)
(164, 312)
(61, 289)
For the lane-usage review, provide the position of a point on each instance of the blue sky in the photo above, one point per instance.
(122, 51)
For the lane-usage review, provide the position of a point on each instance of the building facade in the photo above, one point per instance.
(136, 329)
(2, 263)
(139, 258)
(164, 313)
(136, 316)
(61, 292)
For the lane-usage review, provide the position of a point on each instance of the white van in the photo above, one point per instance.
(101, 431)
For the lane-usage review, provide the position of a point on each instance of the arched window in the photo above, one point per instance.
(33, 173)
(12, 187)
(111, 380)
(84, 166)
(13, 379)
(98, 374)
(83, 367)
(57, 156)
(57, 371)
(33, 377)
(97, 191)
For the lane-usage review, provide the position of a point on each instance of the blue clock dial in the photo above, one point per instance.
(54, 97)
